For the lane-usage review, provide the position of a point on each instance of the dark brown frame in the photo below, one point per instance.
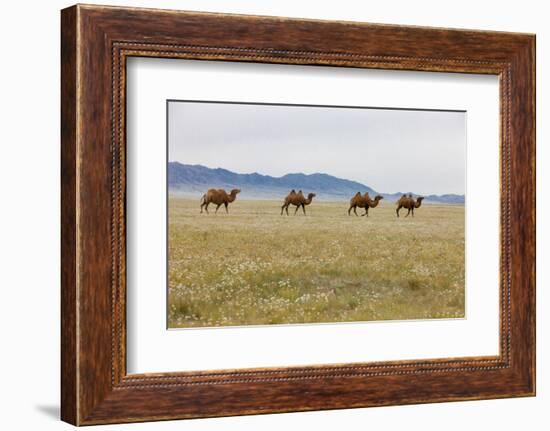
(95, 43)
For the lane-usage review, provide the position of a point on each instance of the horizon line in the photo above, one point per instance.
(188, 195)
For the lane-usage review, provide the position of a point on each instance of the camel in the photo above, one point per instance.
(409, 203)
(298, 200)
(357, 201)
(363, 202)
(218, 197)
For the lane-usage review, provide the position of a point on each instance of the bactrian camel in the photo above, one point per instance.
(363, 202)
(218, 197)
(409, 203)
(298, 200)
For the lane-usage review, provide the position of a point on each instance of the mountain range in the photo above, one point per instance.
(196, 179)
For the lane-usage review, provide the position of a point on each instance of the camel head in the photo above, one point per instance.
(235, 192)
(418, 201)
(378, 197)
(311, 195)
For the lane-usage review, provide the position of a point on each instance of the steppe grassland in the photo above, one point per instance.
(254, 266)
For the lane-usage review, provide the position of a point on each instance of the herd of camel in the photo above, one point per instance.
(220, 197)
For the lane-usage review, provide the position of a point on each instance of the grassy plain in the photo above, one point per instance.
(254, 267)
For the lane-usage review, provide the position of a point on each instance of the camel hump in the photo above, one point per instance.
(293, 192)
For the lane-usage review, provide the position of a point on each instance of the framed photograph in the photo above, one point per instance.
(263, 214)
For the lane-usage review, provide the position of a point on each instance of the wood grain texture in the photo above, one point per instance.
(69, 366)
(96, 41)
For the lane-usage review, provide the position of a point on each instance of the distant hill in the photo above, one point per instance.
(196, 179)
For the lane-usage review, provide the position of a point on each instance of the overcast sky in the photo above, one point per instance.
(388, 150)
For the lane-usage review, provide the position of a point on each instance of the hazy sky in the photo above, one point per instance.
(388, 150)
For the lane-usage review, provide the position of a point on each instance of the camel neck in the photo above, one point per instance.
(372, 202)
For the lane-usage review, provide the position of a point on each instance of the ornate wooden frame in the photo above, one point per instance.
(95, 43)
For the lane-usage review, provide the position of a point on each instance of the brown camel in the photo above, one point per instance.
(363, 202)
(409, 203)
(297, 199)
(218, 197)
(358, 201)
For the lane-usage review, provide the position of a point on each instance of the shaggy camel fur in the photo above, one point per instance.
(409, 203)
(218, 197)
(298, 200)
(363, 202)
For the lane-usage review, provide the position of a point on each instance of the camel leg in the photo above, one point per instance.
(226, 210)
(202, 205)
(297, 208)
(349, 211)
(282, 209)
(304, 209)
(206, 207)
(355, 210)
(287, 209)
(397, 211)
(366, 212)
(217, 208)
(412, 211)
(408, 212)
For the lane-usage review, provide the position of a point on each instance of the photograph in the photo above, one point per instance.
(304, 214)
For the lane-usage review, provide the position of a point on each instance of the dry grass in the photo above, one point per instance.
(255, 267)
